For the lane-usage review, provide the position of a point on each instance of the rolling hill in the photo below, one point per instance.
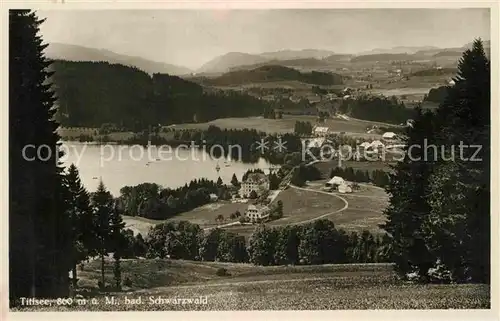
(60, 51)
(337, 58)
(230, 60)
(299, 63)
(383, 57)
(398, 50)
(93, 93)
(270, 73)
(238, 61)
(297, 54)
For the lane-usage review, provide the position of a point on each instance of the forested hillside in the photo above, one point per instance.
(270, 73)
(93, 93)
(376, 108)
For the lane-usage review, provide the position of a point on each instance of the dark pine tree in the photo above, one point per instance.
(38, 227)
(234, 181)
(408, 205)
(80, 217)
(117, 244)
(103, 208)
(458, 228)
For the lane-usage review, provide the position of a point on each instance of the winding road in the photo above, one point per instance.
(346, 205)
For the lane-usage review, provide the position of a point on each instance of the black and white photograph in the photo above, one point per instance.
(239, 159)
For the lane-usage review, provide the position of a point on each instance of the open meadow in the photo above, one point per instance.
(286, 124)
(361, 210)
(248, 287)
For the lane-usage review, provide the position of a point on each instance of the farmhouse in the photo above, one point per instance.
(389, 135)
(365, 145)
(320, 131)
(313, 99)
(213, 197)
(336, 180)
(377, 144)
(344, 188)
(315, 142)
(257, 212)
(257, 182)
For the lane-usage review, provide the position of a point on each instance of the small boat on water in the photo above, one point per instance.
(95, 177)
(227, 165)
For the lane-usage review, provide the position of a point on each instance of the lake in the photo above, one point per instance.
(122, 165)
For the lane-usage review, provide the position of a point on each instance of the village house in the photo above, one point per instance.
(257, 212)
(339, 184)
(336, 180)
(314, 99)
(269, 98)
(365, 145)
(376, 144)
(344, 188)
(315, 142)
(320, 131)
(389, 136)
(213, 197)
(257, 182)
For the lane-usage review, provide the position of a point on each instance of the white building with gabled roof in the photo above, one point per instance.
(257, 212)
(336, 180)
(389, 135)
(321, 131)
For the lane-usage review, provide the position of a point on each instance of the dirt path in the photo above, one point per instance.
(346, 205)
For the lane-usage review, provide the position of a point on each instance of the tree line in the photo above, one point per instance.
(318, 242)
(378, 177)
(439, 212)
(376, 108)
(270, 73)
(303, 128)
(151, 201)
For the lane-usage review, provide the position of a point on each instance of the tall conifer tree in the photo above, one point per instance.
(38, 240)
(103, 208)
(80, 216)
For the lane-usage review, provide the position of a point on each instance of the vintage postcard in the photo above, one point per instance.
(229, 158)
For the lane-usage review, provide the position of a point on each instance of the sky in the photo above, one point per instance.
(190, 38)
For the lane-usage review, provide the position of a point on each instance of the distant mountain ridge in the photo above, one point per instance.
(240, 60)
(299, 62)
(398, 50)
(305, 59)
(297, 54)
(60, 51)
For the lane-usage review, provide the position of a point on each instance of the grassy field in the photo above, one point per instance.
(247, 287)
(364, 210)
(325, 167)
(205, 215)
(286, 124)
(352, 127)
(353, 212)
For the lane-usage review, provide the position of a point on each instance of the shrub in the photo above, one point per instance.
(221, 272)
(127, 282)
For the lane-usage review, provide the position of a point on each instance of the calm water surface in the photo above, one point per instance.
(121, 165)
